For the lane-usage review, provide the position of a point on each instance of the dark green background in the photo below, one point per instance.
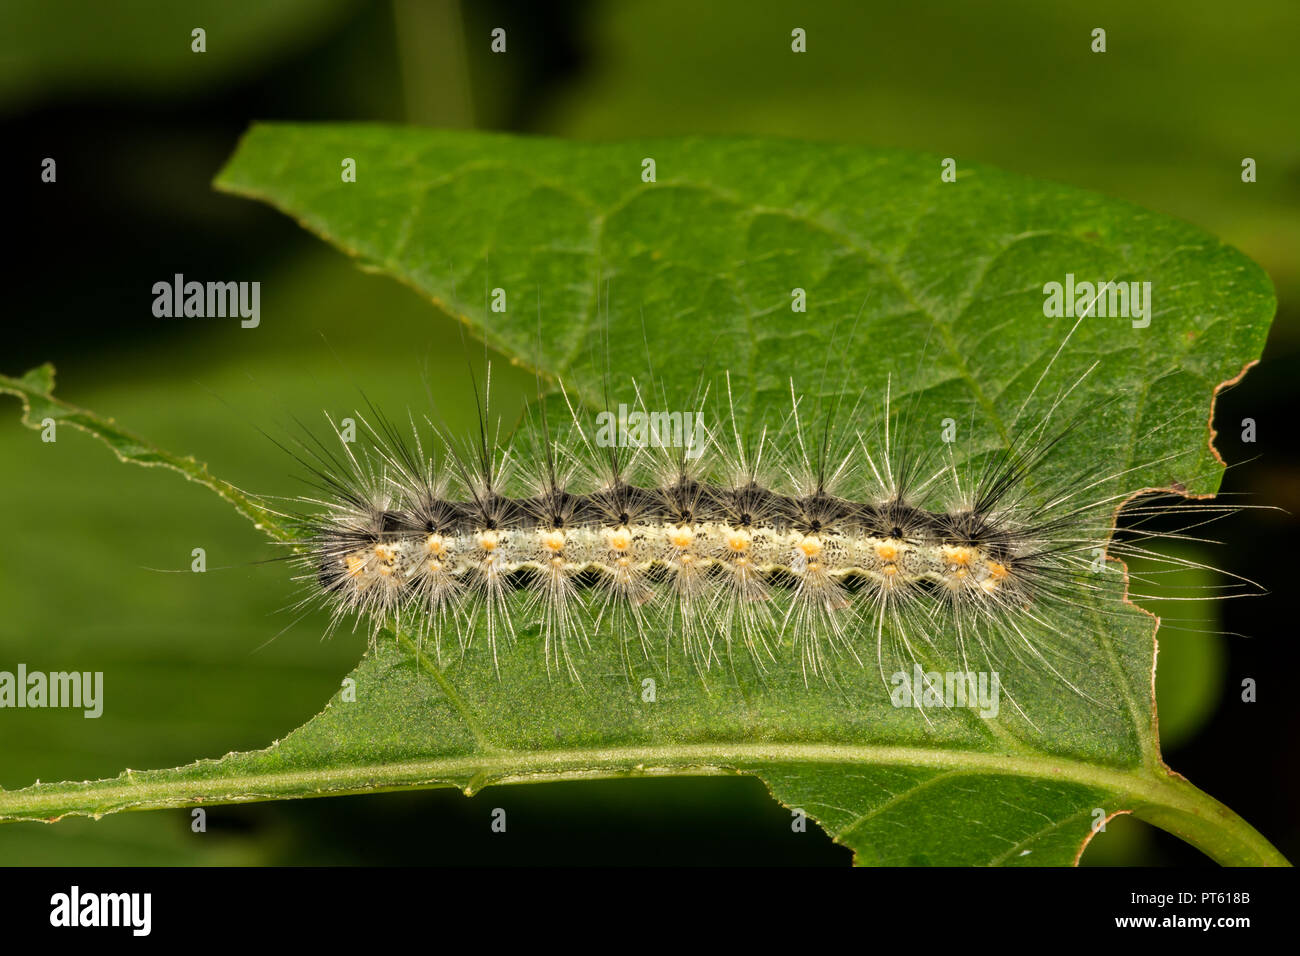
(139, 125)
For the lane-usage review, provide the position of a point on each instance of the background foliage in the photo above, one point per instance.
(1163, 119)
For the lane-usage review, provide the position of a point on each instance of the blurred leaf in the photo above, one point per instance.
(1193, 656)
(40, 406)
(143, 47)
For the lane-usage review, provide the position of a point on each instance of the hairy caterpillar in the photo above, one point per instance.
(839, 536)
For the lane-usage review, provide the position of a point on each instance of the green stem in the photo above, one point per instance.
(1154, 795)
(1208, 825)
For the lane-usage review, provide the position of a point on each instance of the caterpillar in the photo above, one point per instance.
(840, 535)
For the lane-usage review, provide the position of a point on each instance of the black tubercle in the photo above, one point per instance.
(686, 501)
(898, 519)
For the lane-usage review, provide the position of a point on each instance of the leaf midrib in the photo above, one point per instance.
(512, 766)
(1160, 796)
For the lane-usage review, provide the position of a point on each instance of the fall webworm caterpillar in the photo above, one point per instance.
(840, 536)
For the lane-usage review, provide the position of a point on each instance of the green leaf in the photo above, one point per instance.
(938, 286)
(948, 280)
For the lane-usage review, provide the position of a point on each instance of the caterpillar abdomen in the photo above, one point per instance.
(888, 545)
(918, 548)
